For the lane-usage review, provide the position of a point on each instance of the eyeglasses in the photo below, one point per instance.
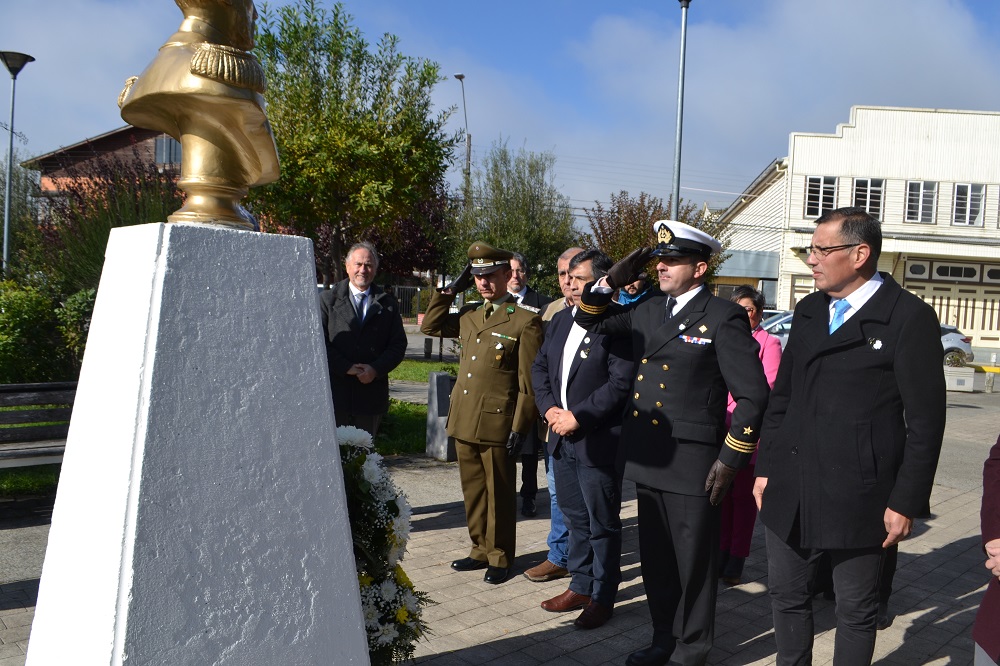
(520, 271)
(824, 252)
(750, 310)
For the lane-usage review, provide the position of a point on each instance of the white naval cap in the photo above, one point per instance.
(675, 239)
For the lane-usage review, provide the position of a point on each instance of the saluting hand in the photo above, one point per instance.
(626, 271)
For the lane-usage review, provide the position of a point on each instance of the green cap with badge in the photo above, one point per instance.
(484, 258)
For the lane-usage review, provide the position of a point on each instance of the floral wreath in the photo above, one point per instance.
(380, 526)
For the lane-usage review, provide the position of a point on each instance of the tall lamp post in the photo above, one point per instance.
(14, 62)
(468, 137)
(676, 194)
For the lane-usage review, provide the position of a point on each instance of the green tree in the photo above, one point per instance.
(64, 252)
(30, 347)
(360, 145)
(516, 206)
(627, 223)
(23, 207)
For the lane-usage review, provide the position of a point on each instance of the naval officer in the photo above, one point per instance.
(691, 349)
(492, 405)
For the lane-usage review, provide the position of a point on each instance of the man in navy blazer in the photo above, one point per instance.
(581, 383)
(850, 441)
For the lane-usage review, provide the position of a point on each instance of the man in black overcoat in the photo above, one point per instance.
(365, 340)
(691, 350)
(851, 437)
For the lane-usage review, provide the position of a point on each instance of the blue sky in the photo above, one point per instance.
(591, 81)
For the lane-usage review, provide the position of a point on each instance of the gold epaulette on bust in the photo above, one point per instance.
(742, 447)
(592, 309)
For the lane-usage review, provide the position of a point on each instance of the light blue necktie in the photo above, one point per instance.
(839, 308)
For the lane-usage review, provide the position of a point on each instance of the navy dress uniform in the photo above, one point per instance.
(492, 398)
(687, 359)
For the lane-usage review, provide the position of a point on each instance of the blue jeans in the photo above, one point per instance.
(558, 539)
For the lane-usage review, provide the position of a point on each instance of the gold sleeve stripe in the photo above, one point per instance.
(593, 309)
(737, 445)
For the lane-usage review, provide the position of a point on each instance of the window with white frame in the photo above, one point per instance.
(921, 196)
(821, 194)
(168, 150)
(968, 210)
(868, 195)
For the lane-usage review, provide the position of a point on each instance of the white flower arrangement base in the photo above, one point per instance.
(380, 525)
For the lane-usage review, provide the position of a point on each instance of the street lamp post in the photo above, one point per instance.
(14, 62)
(468, 137)
(676, 194)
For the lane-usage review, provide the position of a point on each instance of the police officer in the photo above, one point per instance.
(691, 348)
(492, 405)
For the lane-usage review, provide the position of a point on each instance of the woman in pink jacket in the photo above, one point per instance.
(739, 510)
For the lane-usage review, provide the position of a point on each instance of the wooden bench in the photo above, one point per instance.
(36, 433)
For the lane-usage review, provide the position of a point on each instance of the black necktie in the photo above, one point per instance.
(669, 308)
(361, 307)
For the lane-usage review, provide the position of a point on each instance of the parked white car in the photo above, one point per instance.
(956, 346)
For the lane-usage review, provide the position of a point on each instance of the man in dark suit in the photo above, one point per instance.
(691, 350)
(531, 299)
(851, 438)
(492, 405)
(365, 340)
(581, 383)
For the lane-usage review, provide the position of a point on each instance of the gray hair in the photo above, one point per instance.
(364, 245)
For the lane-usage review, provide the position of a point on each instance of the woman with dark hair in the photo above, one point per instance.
(739, 510)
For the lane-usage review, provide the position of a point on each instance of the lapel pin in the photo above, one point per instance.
(584, 353)
(703, 328)
(875, 343)
(586, 341)
(510, 309)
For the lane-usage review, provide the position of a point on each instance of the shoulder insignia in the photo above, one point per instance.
(529, 308)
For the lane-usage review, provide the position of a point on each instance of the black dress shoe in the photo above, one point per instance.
(651, 656)
(468, 564)
(528, 509)
(496, 575)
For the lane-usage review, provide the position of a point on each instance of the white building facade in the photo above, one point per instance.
(931, 176)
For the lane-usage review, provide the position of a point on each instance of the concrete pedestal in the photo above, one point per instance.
(439, 445)
(200, 517)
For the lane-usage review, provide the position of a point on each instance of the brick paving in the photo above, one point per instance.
(938, 584)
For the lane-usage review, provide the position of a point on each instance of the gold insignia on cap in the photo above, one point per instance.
(663, 235)
(703, 328)
(748, 430)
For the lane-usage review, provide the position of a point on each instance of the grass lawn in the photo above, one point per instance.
(419, 371)
(26, 481)
(403, 429)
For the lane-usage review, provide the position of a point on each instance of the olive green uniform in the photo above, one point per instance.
(492, 398)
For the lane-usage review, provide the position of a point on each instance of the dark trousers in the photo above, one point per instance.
(679, 552)
(529, 465)
(590, 499)
(367, 422)
(488, 476)
(790, 571)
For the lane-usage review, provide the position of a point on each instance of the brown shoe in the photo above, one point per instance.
(567, 601)
(545, 572)
(594, 616)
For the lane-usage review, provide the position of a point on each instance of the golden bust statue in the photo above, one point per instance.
(205, 88)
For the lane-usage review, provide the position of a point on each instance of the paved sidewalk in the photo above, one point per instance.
(938, 584)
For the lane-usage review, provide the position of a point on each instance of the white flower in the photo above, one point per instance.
(404, 506)
(388, 634)
(371, 469)
(351, 436)
(387, 589)
(401, 529)
(410, 601)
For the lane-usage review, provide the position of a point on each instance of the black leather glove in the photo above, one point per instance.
(461, 283)
(719, 479)
(626, 271)
(515, 442)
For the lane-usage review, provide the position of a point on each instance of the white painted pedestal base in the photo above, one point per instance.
(200, 517)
